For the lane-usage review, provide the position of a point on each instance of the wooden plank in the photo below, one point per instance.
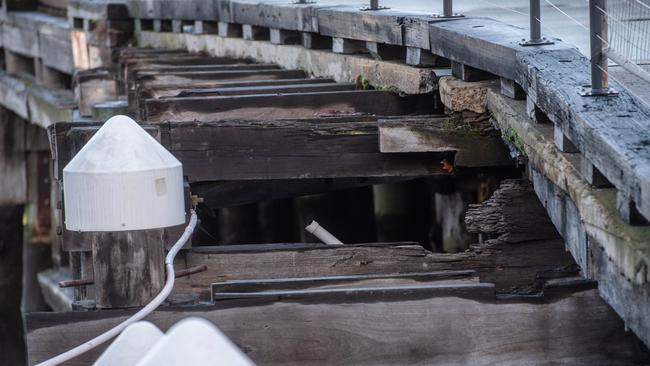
(266, 86)
(137, 94)
(385, 26)
(34, 103)
(265, 150)
(476, 291)
(128, 267)
(19, 40)
(342, 68)
(283, 106)
(328, 282)
(297, 17)
(475, 145)
(182, 90)
(397, 332)
(269, 89)
(206, 77)
(57, 52)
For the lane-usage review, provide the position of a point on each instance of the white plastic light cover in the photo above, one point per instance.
(123, 179)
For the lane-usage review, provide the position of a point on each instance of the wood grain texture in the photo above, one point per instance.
(576, 330)
(128, 267)
(276, 106)
(475, 145)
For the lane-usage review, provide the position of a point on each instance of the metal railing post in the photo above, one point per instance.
(535, 11)
(448, 10)
(598, 49)
(374, 5)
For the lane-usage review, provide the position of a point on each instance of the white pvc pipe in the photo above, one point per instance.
(169, 285)
(323, 235)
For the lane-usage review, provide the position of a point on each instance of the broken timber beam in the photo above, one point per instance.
(277, 149)
(476, 145)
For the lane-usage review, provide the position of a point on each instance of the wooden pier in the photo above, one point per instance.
(490, 214)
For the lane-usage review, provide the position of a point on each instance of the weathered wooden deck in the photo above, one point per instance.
(266, 101)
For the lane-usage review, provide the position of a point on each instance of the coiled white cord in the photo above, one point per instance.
(167, 289)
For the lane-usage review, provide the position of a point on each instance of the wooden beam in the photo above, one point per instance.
(476, 145)
(283, 106)
(268, 331)
(290, 150)
(307, 87)
(184, 90)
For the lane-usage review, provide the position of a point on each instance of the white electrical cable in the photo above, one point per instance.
(169, 285)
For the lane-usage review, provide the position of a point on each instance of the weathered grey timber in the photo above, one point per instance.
(410, 331)
(37, 105)
(60, 300)
(166, 9)
(511, 215)
(608, 250)
(320, 63)
(307, 87)
(39, 36)
(328, 282)
(176, 90)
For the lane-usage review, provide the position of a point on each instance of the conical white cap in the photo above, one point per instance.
(123, 179)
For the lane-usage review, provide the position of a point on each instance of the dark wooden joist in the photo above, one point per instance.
(288, 150)
(283, 105)
(261, 286)
(266, 150)
(205, 77)
(184, 90)
(201, 79)
(483, 43)
(306, 87)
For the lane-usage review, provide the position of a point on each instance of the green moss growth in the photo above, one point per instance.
(456, 123)
(511, 136)
(363, 83)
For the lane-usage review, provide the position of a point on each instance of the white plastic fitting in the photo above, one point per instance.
(323, 235)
